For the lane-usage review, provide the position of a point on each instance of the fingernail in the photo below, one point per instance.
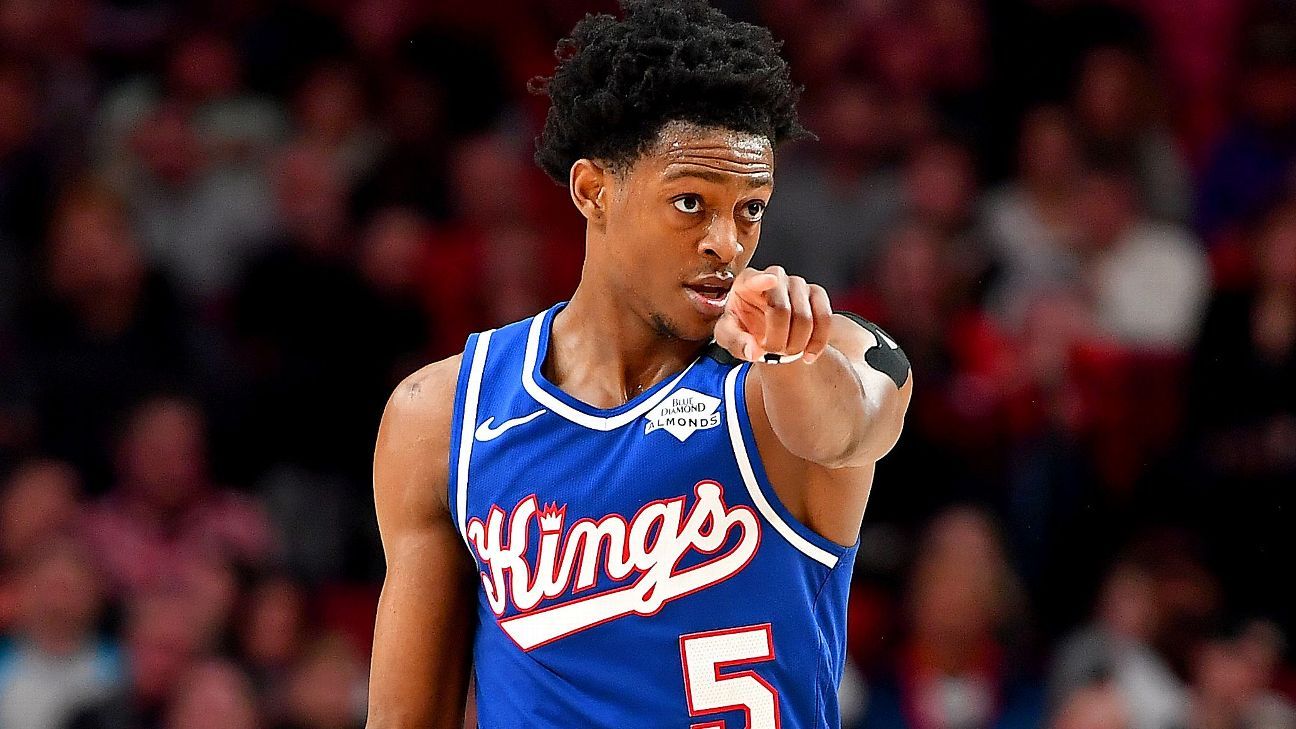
(747, 352)
(809, 358)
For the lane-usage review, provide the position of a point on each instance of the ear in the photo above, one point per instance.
(588, 182)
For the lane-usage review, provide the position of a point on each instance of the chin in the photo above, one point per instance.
(687, 325)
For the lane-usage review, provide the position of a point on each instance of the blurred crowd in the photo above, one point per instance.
(228, 229)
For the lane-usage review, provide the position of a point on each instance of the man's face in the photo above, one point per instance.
(688, 208)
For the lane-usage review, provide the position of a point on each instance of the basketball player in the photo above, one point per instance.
(640, 507)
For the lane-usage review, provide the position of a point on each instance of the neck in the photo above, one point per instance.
(605, 352)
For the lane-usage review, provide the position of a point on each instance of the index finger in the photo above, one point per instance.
(756, 284)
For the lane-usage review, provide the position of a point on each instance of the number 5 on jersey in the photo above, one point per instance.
(708, 691)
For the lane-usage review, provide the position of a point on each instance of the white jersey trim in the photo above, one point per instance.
(471, 397)
(594, 422)
(763, 505)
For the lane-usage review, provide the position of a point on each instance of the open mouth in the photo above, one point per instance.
(708, 300)
(717, 293)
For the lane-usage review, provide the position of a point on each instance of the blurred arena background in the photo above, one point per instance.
(228, 229)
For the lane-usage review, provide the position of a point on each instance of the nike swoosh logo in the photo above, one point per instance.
(486, 432)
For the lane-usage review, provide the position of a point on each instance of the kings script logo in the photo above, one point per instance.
(647, 548)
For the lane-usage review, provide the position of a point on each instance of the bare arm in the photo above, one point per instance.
(839, 411)
(423, 630)
(821, 422)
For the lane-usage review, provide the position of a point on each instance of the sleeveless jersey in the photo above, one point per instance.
(636, 567)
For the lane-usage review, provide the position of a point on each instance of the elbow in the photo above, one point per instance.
(863, 449)
(835, 450)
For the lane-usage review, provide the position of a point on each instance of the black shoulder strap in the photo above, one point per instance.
(721, 355)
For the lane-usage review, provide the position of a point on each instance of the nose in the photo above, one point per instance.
(721, 240)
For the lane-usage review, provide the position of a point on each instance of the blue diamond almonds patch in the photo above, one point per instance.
(684, 413)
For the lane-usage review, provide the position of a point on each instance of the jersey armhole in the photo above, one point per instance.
(743, 439)
(462, 424)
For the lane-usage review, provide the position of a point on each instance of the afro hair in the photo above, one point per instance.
(618, 82)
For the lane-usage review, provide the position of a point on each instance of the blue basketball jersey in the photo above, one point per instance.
(637, 568)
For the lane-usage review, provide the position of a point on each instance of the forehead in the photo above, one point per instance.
(683, 148)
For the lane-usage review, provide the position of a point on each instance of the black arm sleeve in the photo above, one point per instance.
(886, 356)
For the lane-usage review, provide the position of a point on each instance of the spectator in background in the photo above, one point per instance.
(1117, 652)
(491, 264)
(332, 114)
(939, 182)
(210, 584)
(1099, 705)
(300, 314)
(315, 512)
(958, 69)
(920, 289)
(105, 330)
(316, 309)
(901, 55)
(165, 524)
(189, 152)
(1045, 417)
(39, 503)
(213, 695)
(412, 170)
(1249, 341)
(394, 248)
(1030, 222)
(936, 188)
(54, 661)
(326, 689)
(835, 197)
(49, 40)
(205, 75)
(198, 221)
(1148, 281)
(1195, 53)
(912, 287)
(270, 633)
(958, 667)
(160, 640)
(1117, 108)
(1242, 409)
(1250, 167)
(1232, 683)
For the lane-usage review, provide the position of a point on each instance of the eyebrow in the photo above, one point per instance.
(757, 180)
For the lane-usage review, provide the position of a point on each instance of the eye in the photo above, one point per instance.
(753, 210)
(688, 204)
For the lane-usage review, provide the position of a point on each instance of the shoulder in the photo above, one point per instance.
(421, 394)
(411, 456)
